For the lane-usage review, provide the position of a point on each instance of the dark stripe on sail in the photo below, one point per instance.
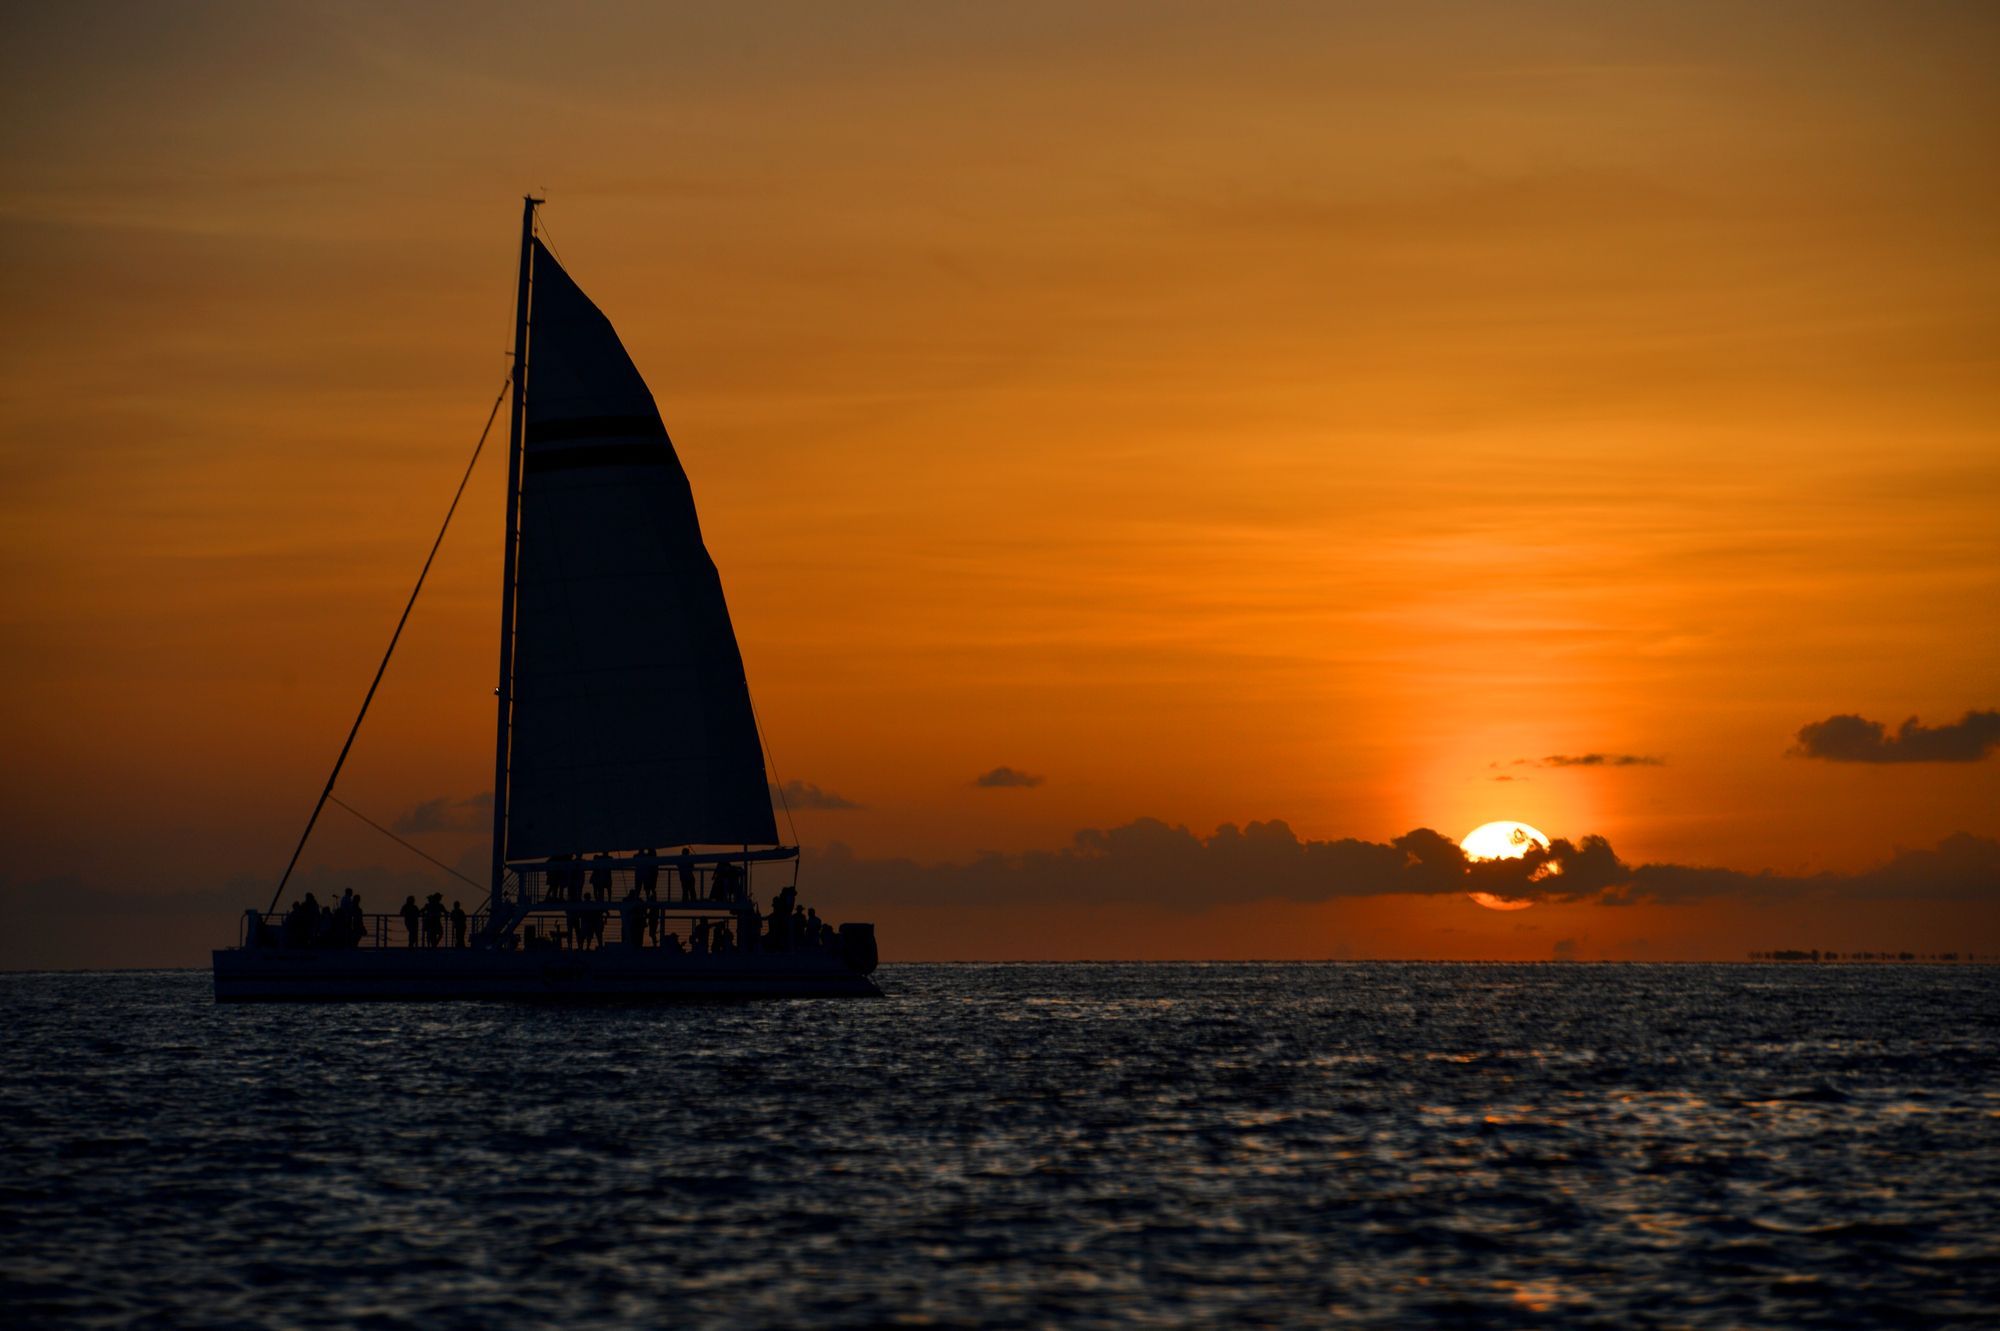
(649, 454)
(596, 427)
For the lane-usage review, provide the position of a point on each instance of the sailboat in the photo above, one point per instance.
(632, 815)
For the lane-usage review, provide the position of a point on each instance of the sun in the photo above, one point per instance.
(1500, 841)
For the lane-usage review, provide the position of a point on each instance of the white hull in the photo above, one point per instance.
(611, 973)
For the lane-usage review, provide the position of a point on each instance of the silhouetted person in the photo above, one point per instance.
(779, 935)
(411, 916)
(600, 878)
(647, 876)
(457, 925)
(433, 914)
(632, 918)
(684, 870)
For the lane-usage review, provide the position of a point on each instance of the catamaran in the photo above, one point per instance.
(631, 807)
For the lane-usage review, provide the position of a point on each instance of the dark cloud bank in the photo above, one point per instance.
(1151, 863)
(1148, 862)
(1855, 739)
(1145, 864)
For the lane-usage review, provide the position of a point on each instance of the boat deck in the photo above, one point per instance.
(566, 940)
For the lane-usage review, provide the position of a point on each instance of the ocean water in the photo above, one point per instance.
(1065, 1146)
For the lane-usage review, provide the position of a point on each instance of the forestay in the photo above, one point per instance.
(631, 723)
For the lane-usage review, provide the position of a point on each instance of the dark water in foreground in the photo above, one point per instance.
(1070, 1146)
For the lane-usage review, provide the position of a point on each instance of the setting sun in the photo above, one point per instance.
(1500, 841)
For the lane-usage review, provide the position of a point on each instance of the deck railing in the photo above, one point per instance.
(365, 931)
(566, 905)
(562, 926)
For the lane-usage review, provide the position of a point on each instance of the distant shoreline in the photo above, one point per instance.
(1781, 957)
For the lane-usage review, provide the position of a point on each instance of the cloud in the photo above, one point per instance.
(1149, 862)
(1853, 739)
(1603, 760)
(1961, 867)
(806, 795)
(445, 814)
(1593, 760)
(1003, 778)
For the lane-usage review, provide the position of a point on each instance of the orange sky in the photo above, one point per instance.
(1226, 413)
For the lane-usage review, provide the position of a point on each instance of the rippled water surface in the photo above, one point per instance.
(1070, 1146)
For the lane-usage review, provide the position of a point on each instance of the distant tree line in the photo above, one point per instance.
(1814, 954)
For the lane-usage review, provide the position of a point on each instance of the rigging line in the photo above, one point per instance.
(547, 238)
(777, 778)
(417, 850)
(326, 794)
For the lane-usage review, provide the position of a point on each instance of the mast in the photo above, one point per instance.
(505, 692)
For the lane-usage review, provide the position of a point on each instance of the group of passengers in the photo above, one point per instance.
(788, 927)
(309, 923)
(429, 919)
(568, 876)
(643, 917)
(791, 927)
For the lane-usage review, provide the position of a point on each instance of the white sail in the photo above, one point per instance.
(631, 721)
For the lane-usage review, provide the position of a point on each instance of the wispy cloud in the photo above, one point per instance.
(1003, 778)
(1853, 739)
(446, 814)
(806, 795)
(1603, 760)
(1591, 760)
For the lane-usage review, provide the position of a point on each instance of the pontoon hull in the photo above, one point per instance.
(248, 975)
